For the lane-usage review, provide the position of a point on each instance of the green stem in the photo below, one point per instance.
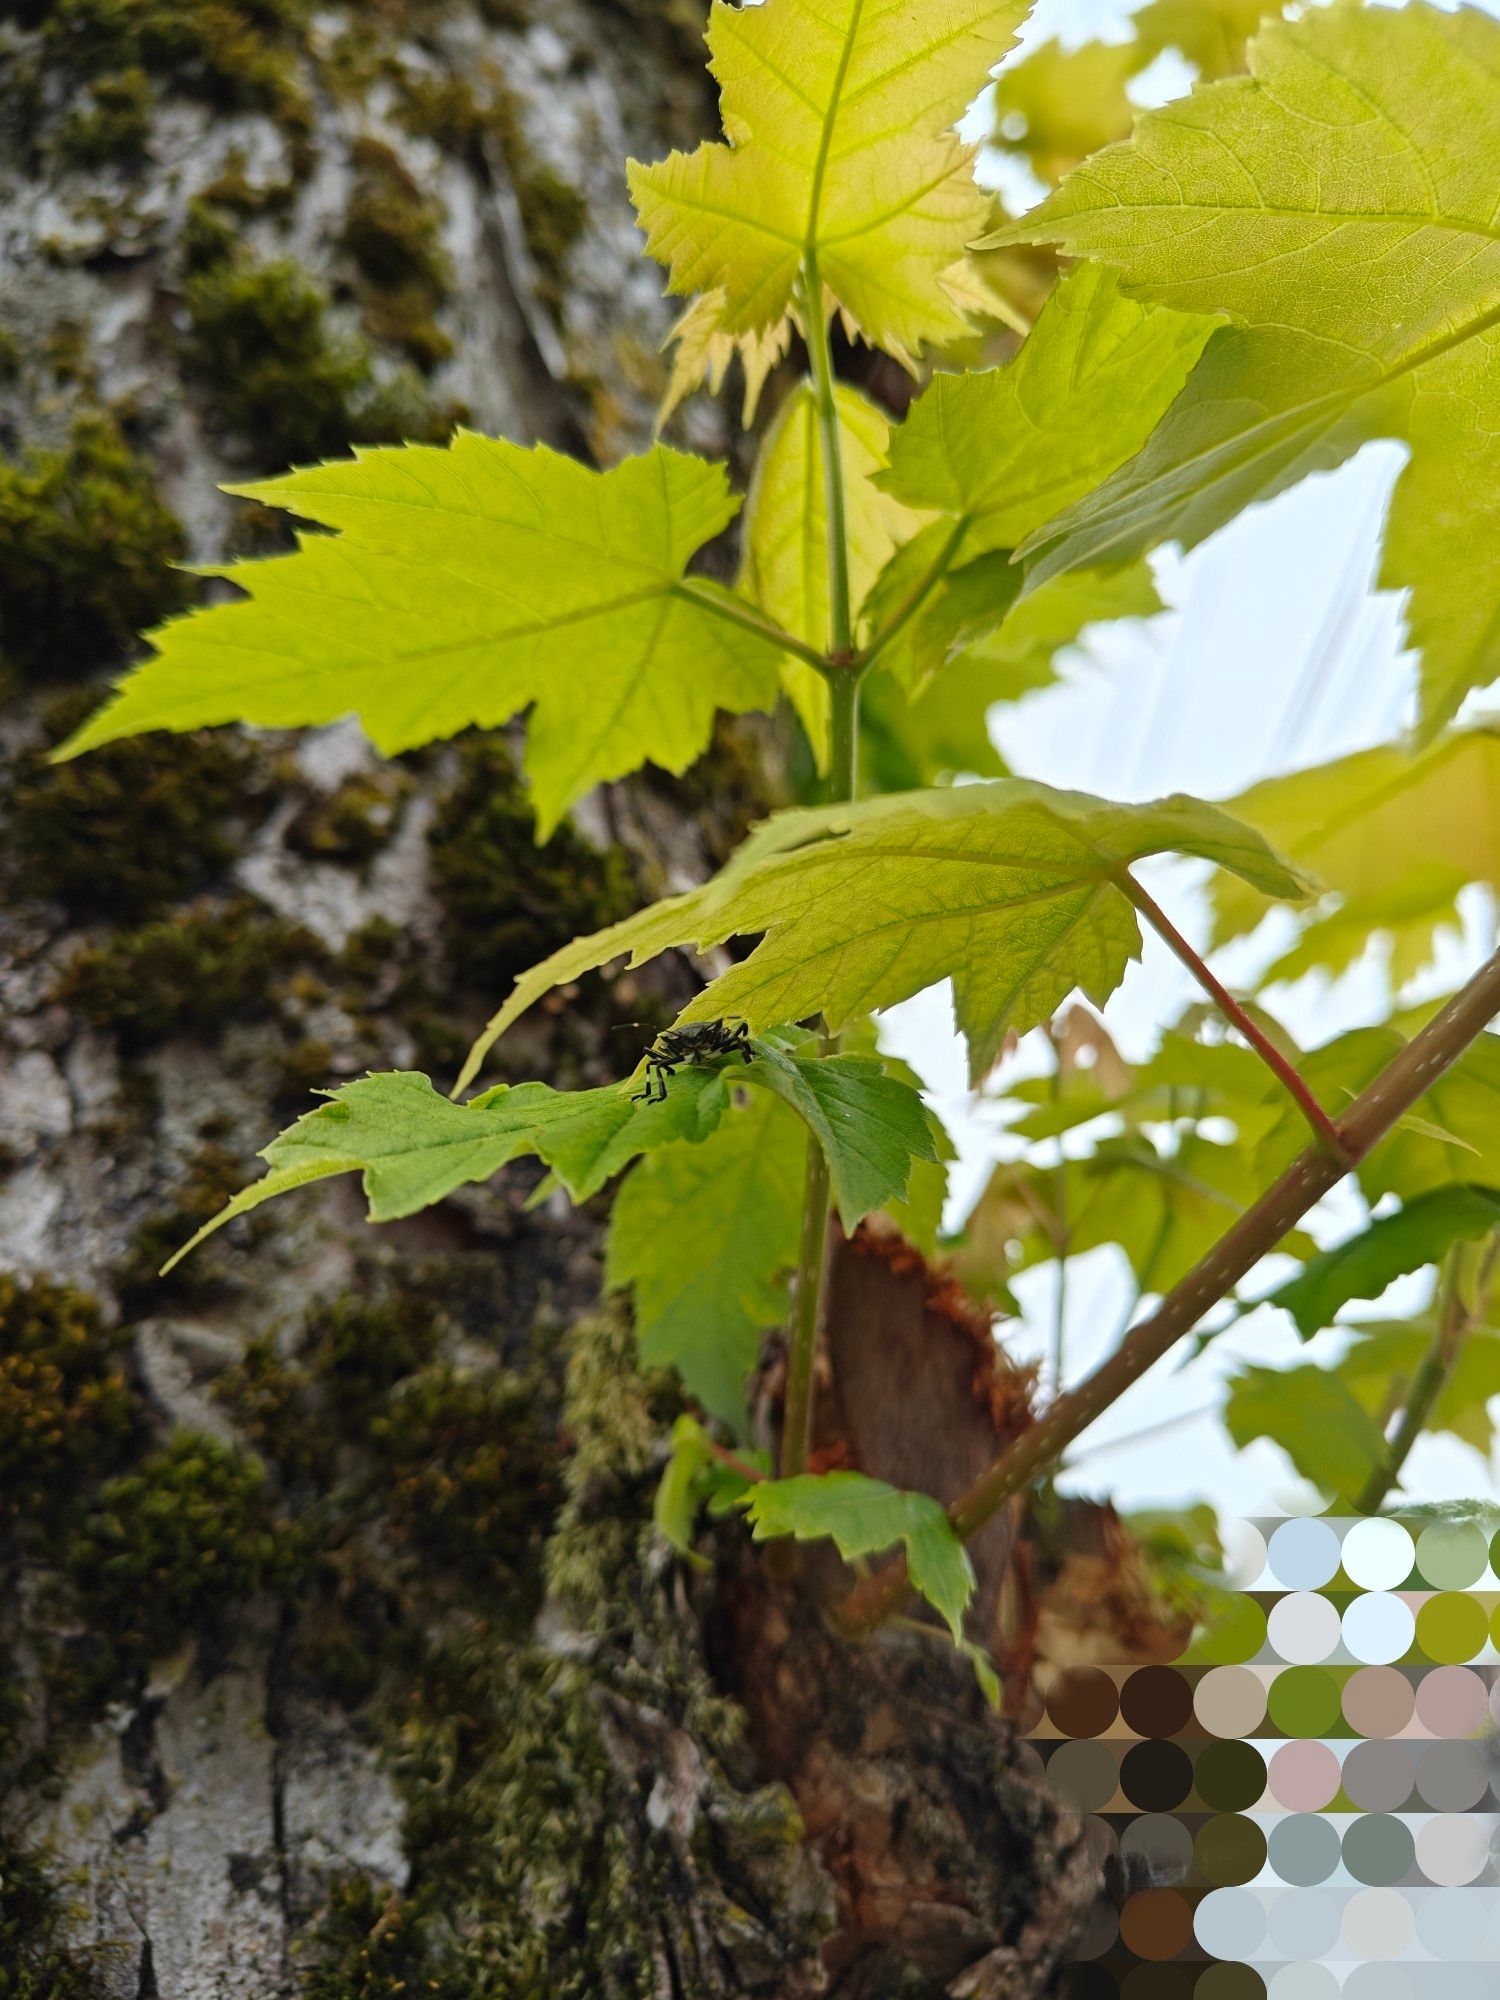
(1287, 1073)
(1454, 1322)
(843, 680)
(1404, 1081)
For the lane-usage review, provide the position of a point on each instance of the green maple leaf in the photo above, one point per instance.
(1315, 1418)
(862, 1516)
(1009, 888)
(1061, 104)
(1395, 833)
(1213, 34)
(413, 1147)
(1365, 1265)
(1338, 204)
(736, 1201)
(785, 568)
(839, 155)
(466, 583)
(1387, 1355)
(997, 454)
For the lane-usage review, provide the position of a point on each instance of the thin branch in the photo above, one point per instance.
(1406, 1078)
(1286, 1072)
(1455, 1322)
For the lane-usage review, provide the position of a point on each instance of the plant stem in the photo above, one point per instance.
(1405, 1079)
(843, 679)
(1287, 1072)
(820, 356)
(1454, 1322)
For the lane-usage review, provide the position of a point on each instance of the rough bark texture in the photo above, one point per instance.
(337, 1657)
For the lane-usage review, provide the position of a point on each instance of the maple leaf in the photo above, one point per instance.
(862, 1516)
(839, 159)
(1367, 1264)
(413, 1147)
(1395, 833)
(1314, 1416)
(1339, 205)
(465, 583)
(1388, 1354)
(737, 1200)
(1061, 104)
(998, 453)
(1009, 888)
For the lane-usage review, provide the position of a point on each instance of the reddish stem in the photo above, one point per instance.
(1286, 1072)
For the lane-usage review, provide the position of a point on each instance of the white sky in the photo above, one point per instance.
(1275, 652)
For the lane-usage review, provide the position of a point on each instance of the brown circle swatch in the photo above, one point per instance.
(1156, 1923)
(1157, 1701)
(1378, 1701)
(1230, 1982)
(1083, 1701)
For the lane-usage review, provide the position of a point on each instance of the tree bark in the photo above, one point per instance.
(337, 1654)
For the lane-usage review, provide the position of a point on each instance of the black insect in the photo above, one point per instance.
(698, 1042)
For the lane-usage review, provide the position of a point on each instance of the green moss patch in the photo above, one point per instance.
(391, 233)
(186, 974)
(169, 1546)
(506, 902)
(275, 371)
(85, 554)
(241, 54)
(132, 828)
(35, 1962)
(67, 1413)
(112, 123)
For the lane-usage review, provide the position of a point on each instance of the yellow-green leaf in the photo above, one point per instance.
(464, 584)
(1396, 833)
(1009, 888)
(839, 147)
(1339, 204)
(785, 569)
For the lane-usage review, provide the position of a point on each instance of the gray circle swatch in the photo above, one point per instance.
(1304, 1849)
(1379, 1850)
(1378, 1775)
(1452, 1776)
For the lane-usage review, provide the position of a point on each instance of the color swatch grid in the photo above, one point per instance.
(1305, 1805)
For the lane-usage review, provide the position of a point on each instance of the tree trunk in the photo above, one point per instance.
(337, 1654)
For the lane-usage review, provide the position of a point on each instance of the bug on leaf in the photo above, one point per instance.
(698, 1042)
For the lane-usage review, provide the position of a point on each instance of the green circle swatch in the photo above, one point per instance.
(1236, 1631)
(1452, 1628)
(1230, 1777)
(1379, 1850)
(1451, 1555)
(1304, 1701)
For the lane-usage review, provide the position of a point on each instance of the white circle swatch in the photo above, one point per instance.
(1379, 1628)
(1303, 1628)
(1378, 1554)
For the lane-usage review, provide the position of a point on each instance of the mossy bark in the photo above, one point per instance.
(337, 1657)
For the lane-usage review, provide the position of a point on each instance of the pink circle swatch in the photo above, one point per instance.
(1452, 1701)
(1304, 1776)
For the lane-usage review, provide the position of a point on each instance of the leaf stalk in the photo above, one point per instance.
(1287, 1073)
(1406, 1078)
